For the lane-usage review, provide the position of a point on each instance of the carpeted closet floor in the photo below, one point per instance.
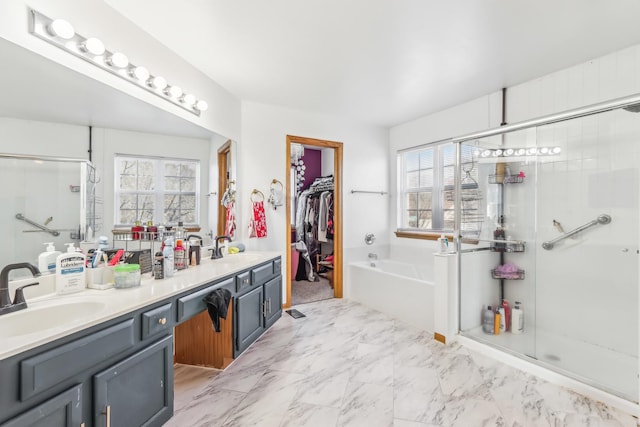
(303, 291)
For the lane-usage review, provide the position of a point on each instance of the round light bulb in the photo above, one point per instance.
(508, 152)
(188, 99)
(202, 105)
(93, 46)
(544, 150)
(497, 153)
(520, 152)
(556, 150)
(174, 91)
(118, 60)
(61, 28)
(531, 151)
(157, 82)
(486, 153)
(140, 73)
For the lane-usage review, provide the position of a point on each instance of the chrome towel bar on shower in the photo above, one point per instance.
(601, 219)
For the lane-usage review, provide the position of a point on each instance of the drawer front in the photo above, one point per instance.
(243, 281)
(192, 304)
(40, 372)
(277, 266)
(261, 274)
(157, 321)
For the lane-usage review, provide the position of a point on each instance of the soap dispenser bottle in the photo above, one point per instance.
(443, 244)
(70, 276)
(47, 259)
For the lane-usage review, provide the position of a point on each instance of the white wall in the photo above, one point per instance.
(262, 157)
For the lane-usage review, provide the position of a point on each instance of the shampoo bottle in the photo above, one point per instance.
(167, 253)
(47, 259)
(507, 314)
(487, 320)
(517, 319)
(503, 319)
(496, 322)
(70, 275)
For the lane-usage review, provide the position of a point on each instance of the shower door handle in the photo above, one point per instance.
(601, 219)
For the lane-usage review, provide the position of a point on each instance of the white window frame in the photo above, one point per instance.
(159, 192)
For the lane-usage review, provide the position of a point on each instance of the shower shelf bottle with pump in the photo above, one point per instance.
(70, 276)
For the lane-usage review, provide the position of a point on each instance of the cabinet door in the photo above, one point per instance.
(137, 391)
(64, 410)
(250, 318)
(273, 301)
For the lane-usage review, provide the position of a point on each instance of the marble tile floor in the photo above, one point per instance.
(347, 365)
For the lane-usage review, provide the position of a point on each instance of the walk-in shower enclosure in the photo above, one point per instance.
(557, 199)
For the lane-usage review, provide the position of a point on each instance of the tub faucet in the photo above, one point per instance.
(373, 256)
(18, 303)
(217, 253)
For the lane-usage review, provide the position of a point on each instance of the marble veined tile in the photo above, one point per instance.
(267, 403)
(373, 364)
(460, 377)
(324, 386)
(305, 415)
(237, 377)
(404, 423)
(207, 409)
(367, 405)
(417, 396)
(466, 412)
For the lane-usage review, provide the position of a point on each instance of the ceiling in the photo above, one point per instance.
(382, 62)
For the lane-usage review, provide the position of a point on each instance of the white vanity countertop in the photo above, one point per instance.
(50, 317)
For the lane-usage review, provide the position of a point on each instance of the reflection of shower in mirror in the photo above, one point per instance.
(369, 238)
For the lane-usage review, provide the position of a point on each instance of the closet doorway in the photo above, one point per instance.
(315, 253)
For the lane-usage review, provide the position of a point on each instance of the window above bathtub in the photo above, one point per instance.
(426, 189)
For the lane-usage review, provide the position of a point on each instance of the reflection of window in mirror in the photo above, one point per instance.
(161, 190)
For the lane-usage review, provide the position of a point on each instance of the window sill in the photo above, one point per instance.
(421, 235)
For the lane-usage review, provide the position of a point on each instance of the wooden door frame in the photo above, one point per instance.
(337, 210)
(224, 154)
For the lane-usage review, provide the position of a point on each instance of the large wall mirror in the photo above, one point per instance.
(38, 90)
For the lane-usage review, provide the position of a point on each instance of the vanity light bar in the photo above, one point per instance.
(509, 152)
(61, 33)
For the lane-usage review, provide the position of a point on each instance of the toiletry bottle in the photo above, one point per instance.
(179, 256)
(158, 266)
(503, 319)
(70, 276)
(180, 233)
(47, 259)
(152, 231)
(487, 320)
(507, 314)
(167, 253)
(443, 244)
(517, 319)
(496, 322)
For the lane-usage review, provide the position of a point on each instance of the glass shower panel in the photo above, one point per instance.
(587, 283)
(498, 264)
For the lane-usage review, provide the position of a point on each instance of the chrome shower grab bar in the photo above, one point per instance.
(602, 219)
(35, 224)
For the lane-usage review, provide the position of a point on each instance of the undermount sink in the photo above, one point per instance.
(42, 316)
(239, 257)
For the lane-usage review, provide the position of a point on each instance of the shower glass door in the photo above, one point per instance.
(587, 282)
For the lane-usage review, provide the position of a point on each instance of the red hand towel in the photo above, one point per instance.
(259, 219)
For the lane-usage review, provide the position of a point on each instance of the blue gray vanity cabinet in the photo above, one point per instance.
(63, 410)
(260, 306)
(137, 391)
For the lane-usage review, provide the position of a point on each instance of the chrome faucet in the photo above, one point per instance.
(217, 253)
(19, 303)
(373, 256)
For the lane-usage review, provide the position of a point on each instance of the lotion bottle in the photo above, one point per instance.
(496, 322)
(47, 259)
(70, 275)
(517, 319)
(443, 244)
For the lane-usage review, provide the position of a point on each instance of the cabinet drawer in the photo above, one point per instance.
(260, 274)
(40, 372)
(243, 281)
(156, 321)
(192, 304)
(64, 409)
(277, 266)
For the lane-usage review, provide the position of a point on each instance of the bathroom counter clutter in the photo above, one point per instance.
(53, 316)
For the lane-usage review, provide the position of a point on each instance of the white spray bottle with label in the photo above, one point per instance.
(70, 276)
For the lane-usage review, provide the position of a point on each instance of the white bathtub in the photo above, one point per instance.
(399, 289)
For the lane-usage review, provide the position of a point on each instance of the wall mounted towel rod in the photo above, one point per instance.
(35, 224)
(382, 193)
(602, 219)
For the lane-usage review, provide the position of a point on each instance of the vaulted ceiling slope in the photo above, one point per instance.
(382, 62)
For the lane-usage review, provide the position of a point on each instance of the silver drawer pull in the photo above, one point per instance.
(245, 281)
(162, 320)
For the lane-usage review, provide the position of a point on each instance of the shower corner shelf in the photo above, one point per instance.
(505, 179)
(516, 275)
(508, 247)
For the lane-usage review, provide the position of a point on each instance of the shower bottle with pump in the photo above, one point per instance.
(487, 320)
(47, 259)
(517, 319)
